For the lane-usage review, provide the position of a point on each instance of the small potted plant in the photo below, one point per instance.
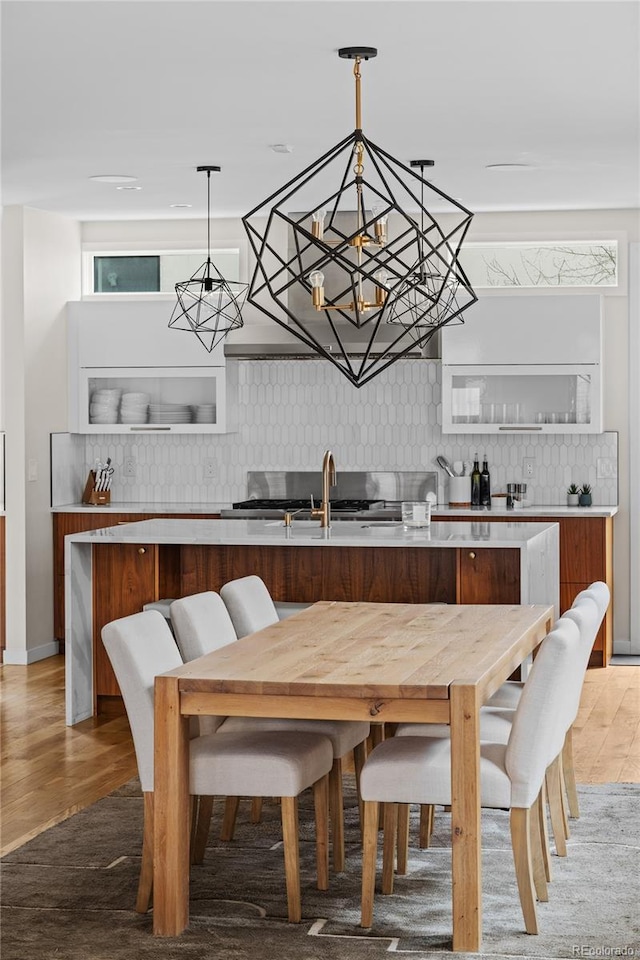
(573, 495)
(585, 495)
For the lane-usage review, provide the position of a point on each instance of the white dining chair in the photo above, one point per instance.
(251, 608)
(410, 769)
(496, 722)
(508, 694)
(279, 764)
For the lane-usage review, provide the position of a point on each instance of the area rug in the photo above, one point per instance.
(69, 893)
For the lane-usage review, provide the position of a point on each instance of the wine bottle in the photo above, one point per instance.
(485, 484)
(475, 483)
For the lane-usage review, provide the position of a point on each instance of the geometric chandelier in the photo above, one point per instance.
(361, 257)
(208, 305)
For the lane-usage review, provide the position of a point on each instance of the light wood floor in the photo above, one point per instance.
(50, 771)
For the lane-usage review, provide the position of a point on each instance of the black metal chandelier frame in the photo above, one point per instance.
(208, 306)
(364, 299)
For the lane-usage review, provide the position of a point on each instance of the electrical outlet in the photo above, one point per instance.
(130, 468)
(528, 467)
(606, 468)
(210, 471)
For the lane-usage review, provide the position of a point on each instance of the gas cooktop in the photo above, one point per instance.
(351, 505)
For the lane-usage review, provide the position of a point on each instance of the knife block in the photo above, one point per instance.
(95, 497)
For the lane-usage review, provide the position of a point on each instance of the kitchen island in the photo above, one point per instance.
(112, 571)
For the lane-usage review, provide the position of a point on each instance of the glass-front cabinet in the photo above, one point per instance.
(130, 373)
(521, 399)
(152, 400)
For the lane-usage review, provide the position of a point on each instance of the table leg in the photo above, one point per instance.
(171, 812)
(465, 818)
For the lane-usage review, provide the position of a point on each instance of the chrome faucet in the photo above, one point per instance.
(323, 512)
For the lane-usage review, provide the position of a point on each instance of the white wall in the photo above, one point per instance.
(41, 273)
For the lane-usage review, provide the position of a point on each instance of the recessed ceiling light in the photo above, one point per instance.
(281, 148)
(112, 178)
(509, 166)
(128, 188)
(179, 206)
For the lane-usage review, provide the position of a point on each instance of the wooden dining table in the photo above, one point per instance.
(381, 662)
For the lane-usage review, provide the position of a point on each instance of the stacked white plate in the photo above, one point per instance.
(134, 408)
(103, 407)
(204, 413)
(169, 413)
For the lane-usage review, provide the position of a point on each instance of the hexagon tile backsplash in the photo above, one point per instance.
(289, 412)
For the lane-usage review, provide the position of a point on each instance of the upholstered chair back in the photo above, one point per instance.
(140, 647)
(201, 623)
(540, 721)
(600, 593)
(249, 604)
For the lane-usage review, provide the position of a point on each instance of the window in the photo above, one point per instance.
(150, 272)
(557, 264)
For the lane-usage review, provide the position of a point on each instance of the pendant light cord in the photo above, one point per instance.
(208, 220)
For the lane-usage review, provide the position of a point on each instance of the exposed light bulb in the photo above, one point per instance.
(316, 279)
(317, 223)
(381, 222)
(381, 277)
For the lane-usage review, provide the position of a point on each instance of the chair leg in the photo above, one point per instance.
(563, 799)
(520, 842)
(359, 757)
(555, 808)
(544, 833)
(289, 807)
(200, 834)
(403, 838)
(390, 814)
(231, 805)
(537, 856)
(376, 736)
(145, 884)
(426, 824)
(256, 809)
(336, 812)
(570, 775)
(369, 859)
(321, 805)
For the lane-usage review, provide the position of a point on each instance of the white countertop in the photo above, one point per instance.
(442, 510)
(347, 533)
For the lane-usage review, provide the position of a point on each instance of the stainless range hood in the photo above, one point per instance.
(270, 341)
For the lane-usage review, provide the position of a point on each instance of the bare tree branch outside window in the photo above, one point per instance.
(570, 264)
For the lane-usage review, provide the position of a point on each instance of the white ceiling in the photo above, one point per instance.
(153, 88)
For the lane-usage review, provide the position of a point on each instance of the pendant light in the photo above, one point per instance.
(426, 300)
(208, 305)
(358, 254)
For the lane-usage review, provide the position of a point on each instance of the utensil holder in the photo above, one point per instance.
(93, 496)
(459, 491)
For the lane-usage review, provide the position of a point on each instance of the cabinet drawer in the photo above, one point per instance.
(582, 550)
(489, 576)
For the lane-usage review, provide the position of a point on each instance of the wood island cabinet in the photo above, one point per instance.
(586, 555)
(79, 522)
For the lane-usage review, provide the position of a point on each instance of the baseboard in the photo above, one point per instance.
(31, 654)
(623, 647)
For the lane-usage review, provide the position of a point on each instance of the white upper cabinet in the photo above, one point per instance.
(130, 373)
(524, 364)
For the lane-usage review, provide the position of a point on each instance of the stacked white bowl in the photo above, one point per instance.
(204, 413)
(134, 408)
(104, 404)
